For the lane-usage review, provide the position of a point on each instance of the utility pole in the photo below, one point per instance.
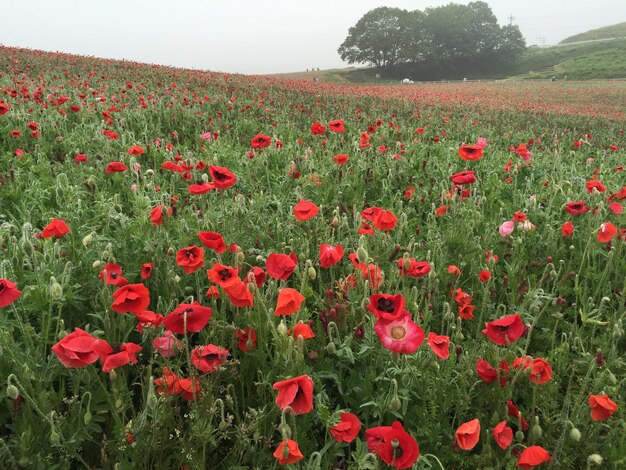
(511, 18)
(542, 39)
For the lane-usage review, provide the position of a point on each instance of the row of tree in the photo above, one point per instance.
(452, 41)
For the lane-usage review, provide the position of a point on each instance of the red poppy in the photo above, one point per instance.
(602, 407)
(607, 232)
(188, 318)
(464, 177)
(110, 134)
(317, 128)
(112, 274)
(279, 266)
(387, 306)
(385, 220)
(302, 330)
(514, 411)
(468, 434)
(127, 354)
(223, 178)
(79, 349)
(575, 208)
(505, 330)
(261, 141)
(296, 393)
(168, 383)
(370, 213)
(190, 258)
(136, 150)
(365, 140)
(484, 276)
(8, 292)
(4, 108)
(56, 228)
(133, 298)
(337, 125)
(347, 428)
(412, 268)
(366, 229)
(158, 213)
(80, 158)
(146, 271)
(305, 210)
(190, 389)
(256, 275)
(470, 152)
(454, 270)
(115, 167)
(393, 445)
(440, 345)
(486, 371)
(201, 188)
(330, 255)
(167, 345)
(616, 208)
(341, 158)
(223, 276)
(540, 371)
(533, 456)
(288, 452)
(213, 240)
(239, 294)
(401, 335)
(567, 229)
(442, 210)
(208, 358)
(519, 217)
(289, 302)
(246, 339)
(503, 435)
(595, 185)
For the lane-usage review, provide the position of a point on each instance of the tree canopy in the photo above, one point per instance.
(452, 39)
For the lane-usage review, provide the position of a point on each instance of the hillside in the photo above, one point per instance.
(613, 31)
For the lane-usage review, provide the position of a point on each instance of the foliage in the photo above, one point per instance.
(607, 32)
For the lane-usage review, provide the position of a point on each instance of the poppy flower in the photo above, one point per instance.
(239, 294)
(256, 275)
(523, 152)
(133, 298)
(370, 213)
(366, 229)
(127, 354)
(223, 178)
(110, 134)
(567, 229)
(442, 210)
(347, 428)
(208, 358)
(506, 228)
(146, 271)
(112, 274)
(576, 208)
(607, 232)
(167, 345)
(158, 213)
(387, 306)
(317, 128)
(168, 383)
(454, 270)
(302, 330)
(279, 266)
(330, 255)
(115, 167)
(4, 108)
(468, 434)
(135, 150)
(464, 177)
(190, 258)
(486, 371)
(385, 220)
(393, 445)
(503, 435)
(466, 312)
(412, 268)
(595, 185)
(8, 292)
(533, 456)
(513, 410)
(261, 141)
(337, 126)
(401, 335)
(365, 140)
(79, 349)
(246, 339)
(484, 275)
(296, 393)
(616, 208)
(341, 158)
(288, 452)
(440, 345)
(289, 302)
(602, 407)
(201, 188)
(305, 210)
(80, 158)
(470, 152)
(213, 240)
(540, 371)
(505, 330)
(56, 228)
(188, 318)
(223, 276)
(190, 389)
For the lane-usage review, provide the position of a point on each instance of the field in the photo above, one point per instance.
(200, 270)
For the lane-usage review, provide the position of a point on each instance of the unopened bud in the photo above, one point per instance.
(87, 418)
(282, 329)
(311, 273)
(362, 255)
(56, 290)
(12, 391)
(575, 435)
(395, 404)
(519, 436)
(595, 459)
(87, 239)
(55, 439)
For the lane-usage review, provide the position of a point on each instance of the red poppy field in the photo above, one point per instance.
(200, 270)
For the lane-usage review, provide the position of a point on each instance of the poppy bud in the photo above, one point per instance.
(362, 254)
(611, 377)
(575, 434)
(150, 172)
(595, 459)
(56, 290)
(24, 462)
(536, 432)
(55, 439)
(12, 391)
(282, 328)
(97, 264)
(87, 239)
(87, 418)
(330, 348)
(113, 378)
(241, 257)
(519, 436)
(311, 273)
(177, 279)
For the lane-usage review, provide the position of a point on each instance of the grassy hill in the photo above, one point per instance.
(613, 31)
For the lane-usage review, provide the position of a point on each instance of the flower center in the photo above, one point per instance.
(385, 305)
(225, 274)
(398, 332)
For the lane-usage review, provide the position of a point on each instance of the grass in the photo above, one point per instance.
(613, 31)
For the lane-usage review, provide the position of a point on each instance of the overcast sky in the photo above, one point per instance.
(251, 36)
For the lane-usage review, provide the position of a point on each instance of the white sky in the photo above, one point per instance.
(251, 36)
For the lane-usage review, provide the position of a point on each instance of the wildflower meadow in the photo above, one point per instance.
(203, 270)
